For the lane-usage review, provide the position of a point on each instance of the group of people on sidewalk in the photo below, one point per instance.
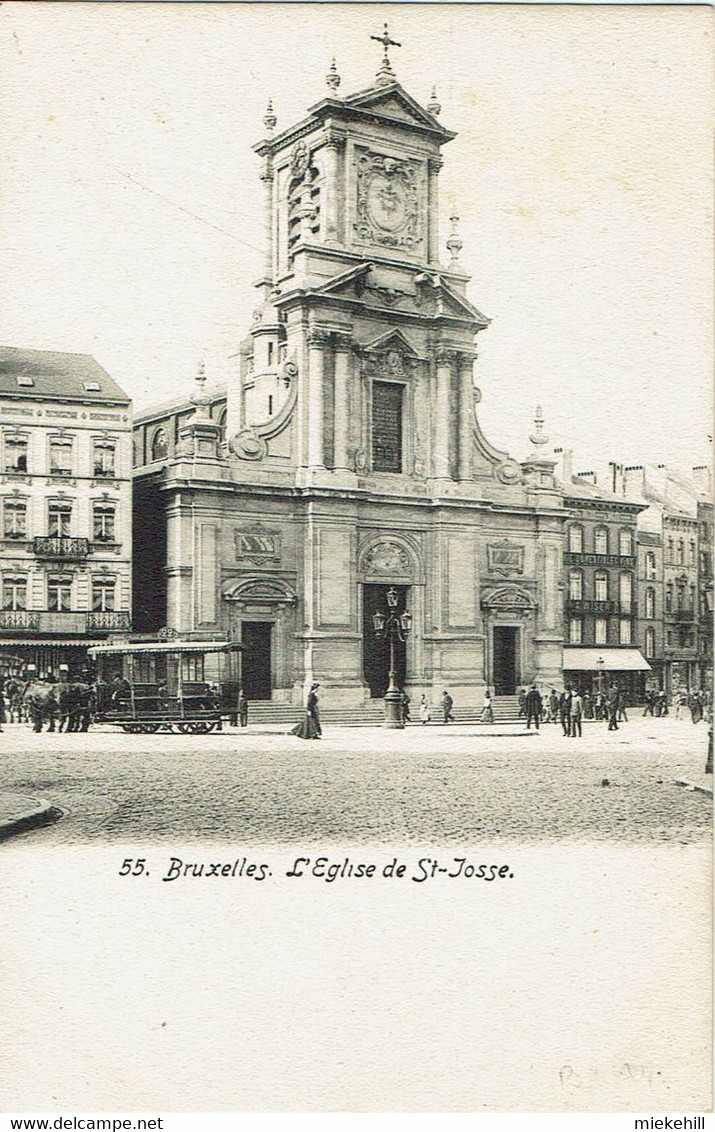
(570, 707)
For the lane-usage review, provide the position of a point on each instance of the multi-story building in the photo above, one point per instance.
(602, 634)
(355, 471)
(65, 527)
(705, 584)
(650, 628)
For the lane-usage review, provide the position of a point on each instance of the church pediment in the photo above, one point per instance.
(394, 103)
(391, 341)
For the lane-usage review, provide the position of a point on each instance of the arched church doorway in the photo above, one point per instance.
(505, 652)
(376, 652)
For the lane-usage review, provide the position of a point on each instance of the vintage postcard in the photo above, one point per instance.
(356, 556)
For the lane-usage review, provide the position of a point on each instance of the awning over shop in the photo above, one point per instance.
(614, 660)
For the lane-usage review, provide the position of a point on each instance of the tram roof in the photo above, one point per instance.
(165, 647)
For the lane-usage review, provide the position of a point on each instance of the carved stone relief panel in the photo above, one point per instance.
(388, 211)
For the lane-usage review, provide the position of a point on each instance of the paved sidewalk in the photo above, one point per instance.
(19, 812)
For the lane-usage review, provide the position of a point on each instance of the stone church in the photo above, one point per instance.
(346, 458)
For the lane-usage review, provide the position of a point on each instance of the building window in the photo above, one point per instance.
(625, 592)
(576, 539)
(624, 631)
(669, 598)
(103, 522)
(59, 515)
(15, 518)
(670, 550)
(103, 457)
(192, 667)
(103, 590)
(681, 552)
(14, 592)
(650, 642)
(600, 540)
(221, 421)
(600, 631)
(669, 638)
(692, 598)
(650, 566)
(59, 593)
(691, 549)
(601, 585)
(576, 585)
(575, 631)
(159, 445)
(650, 603)
(60, 456)
(16, 453)
(386, 426)
(680, 597)
(625, 543)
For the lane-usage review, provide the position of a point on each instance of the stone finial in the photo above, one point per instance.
(454, 243)
(538, 436)
(333, 79)
(270, 120)
(434, 105)
(198, 398)
(385, 75)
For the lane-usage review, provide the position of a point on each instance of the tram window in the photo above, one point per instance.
(192, 667)
(144, 669)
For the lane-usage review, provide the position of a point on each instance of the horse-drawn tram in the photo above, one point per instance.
(187, 686)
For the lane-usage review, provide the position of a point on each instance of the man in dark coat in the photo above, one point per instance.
(565, 709)
(533, 707)
(447, 705)
(613, 702)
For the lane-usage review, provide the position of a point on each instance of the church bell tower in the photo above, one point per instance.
(358, 367)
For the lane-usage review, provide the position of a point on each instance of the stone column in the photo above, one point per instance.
(343, 357)
(267, 178)
(334, 143)
(440, 463)
(434, 164)
(317, 340)
(465, 428)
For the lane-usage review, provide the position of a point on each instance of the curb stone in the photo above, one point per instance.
(706, 790)
(42, 813)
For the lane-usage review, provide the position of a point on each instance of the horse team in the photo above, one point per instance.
(64, 706)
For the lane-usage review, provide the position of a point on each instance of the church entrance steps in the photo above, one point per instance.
(506, 710)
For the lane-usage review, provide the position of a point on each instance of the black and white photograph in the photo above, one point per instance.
(356, 559)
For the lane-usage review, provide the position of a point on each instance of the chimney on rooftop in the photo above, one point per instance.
(634, 479)
(589, 477)
(702, 477)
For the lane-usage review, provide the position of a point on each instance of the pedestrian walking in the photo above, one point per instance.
(648, 701)
(2, 707)
(522, 704)
(576, 715)
(447, 705)
(612, 703)
(533, 707)
(587, 705)
(622, 707)
(424, 709)
(309, 726)
(405, 706)
(662, 703)
(487, 710)
(681, 702)
(565, 709)
(696, 707)
(243, 710)
(554, 705)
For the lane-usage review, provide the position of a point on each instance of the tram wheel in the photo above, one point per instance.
(202, 726)
(132, 728)
(185, 728)
(148, 728)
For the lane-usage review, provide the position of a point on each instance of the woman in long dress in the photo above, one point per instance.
(424, 709)
(487, 712)
(309, 726)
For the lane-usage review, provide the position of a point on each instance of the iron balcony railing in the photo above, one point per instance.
(108, 619)
(19, 619)
(60, 546)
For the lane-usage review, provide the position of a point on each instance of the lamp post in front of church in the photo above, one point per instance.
(394, 627)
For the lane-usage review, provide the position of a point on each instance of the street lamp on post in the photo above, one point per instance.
(599, 679)
(394, 627)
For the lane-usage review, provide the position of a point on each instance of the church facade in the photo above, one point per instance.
(346, 459)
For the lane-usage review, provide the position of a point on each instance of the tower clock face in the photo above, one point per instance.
(387, 203)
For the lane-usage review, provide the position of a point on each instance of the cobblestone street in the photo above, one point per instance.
(436, 784)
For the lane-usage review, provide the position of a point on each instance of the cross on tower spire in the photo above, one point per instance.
(386, 74)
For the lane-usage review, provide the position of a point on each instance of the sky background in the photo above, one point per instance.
(131, 201)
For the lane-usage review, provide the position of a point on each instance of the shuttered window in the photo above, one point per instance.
(386, 427)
